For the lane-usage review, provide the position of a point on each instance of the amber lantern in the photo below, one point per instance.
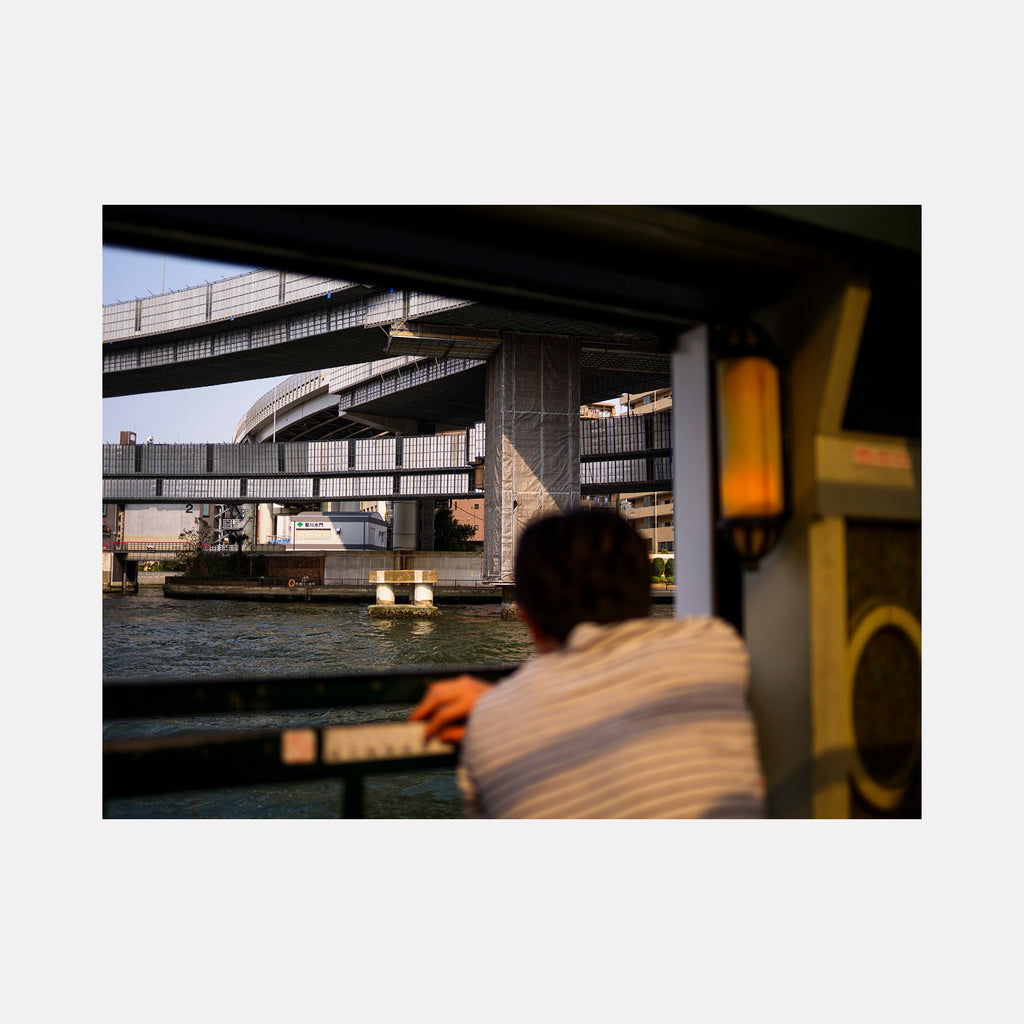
(752, 505)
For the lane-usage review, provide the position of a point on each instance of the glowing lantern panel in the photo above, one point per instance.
(749, 439)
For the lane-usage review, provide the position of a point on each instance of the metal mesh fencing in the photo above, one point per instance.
(357, 487)
(352, 314)
(128, 489)
(157, 355)
(625, 434)
(663, 467)
(299, 385)
(120, 360)
(438, 451)
(661, 429)
(309, 324)
(296, 457)
(339, 378)
(477, 442)
(207, 488)
(420, 304)
(328, 456)
(245, 458)
(434, 484)
(246, 294)
(160, 459)
(307, 286)
(118, 459)
(375, 453)
(212, 301)
(119, 321)
(619, 471)
(269, 488)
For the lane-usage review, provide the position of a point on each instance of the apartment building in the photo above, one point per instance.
(651, 512)
(470, 512)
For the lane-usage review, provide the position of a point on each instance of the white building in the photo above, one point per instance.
(162, 525)
(332, 531)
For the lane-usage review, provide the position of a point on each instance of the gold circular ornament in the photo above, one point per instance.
(884, 687)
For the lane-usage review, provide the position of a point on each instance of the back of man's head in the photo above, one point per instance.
(586, 566)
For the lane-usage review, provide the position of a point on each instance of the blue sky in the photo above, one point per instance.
(172, 417)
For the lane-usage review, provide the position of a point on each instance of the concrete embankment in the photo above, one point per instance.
(155, 579)
(244, 590)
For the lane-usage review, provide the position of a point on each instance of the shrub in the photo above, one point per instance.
(670, 571)
(657, 568)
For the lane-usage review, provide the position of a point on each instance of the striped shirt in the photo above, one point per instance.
(646, 718)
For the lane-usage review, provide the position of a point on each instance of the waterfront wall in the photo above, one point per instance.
(155, 579)
(347, 567)
(350, 568)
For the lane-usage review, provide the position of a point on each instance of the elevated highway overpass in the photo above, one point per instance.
(409, 365)
(625, 453)
(271, 322)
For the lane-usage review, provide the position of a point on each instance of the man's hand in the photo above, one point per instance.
(446, 706)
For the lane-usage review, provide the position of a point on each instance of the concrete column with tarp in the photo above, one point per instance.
(406, 525)
(414, 525)
(532, 465)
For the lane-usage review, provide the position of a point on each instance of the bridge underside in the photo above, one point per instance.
(297, 340)
(460, 399)
(450, 393)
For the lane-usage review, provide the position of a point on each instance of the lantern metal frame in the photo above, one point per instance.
(751, 537)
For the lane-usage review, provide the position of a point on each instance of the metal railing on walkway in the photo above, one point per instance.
(202, 759)
(167, 546)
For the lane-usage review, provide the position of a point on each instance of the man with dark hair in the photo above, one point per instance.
(589, 566)
(618, 715)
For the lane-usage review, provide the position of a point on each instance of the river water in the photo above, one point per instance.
(149, 635)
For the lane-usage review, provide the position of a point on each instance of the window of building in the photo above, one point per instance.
(206, 510)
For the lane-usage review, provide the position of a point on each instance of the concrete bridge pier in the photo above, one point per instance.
(124, 573)
(532, 465)
(421, 583)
